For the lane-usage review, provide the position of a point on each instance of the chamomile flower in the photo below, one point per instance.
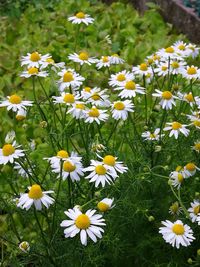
(176, 178)
(33, 71)
(66, 98)
(176, 233)
(175, 209)
(98, 97)
(111, 162)
(120, 109)
(191, 72)
(37, 197)
(87, 224)
(190, 169)
(130, 89)
(81, 17)
(188, 97)
(116, 60)
(104, 61)
(69, 78)
(194, 50)
(155, 136)
(50, 62)
(181, 48)
(168, 52)
(120, 78)
(176, 128)
(15, 103)
(33, 60)
(82, 58)
(142, 70)
(194, 210)
(24, 246)
(196, 146)
(176, 66)
(105, 204)
(167, 99)
(100, 173)
(95, 115)
(162, 69)
(21, 114)
(10, 152)
(63, 155)
(77, 110)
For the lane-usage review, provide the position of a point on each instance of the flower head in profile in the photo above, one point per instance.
(177, 177)
(194, 210)
(10, 152)
(35, 197)
(66, 98)
(81, 17)
(105, 204)
(15, 103)
(120, 78)
(176, 128)
(155, 136)
(34, 60)
(33, 71)
(87, 224)
(166, 99)
(142, 70)
(176, 233)
(82, 58)
(104, 61)
(130, 89)
(111, 163)
(196, 146)
(115, 59)
(175, 209)
(191, 72)
(190, 169)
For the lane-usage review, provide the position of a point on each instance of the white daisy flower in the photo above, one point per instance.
(194, 210)
(66, 98)
(116, 60)
(63, 155)
(155, 136)
(82, 58)
(86, 93)
(143, 69)
(98, 97)
(112, 163)
(81, 17)
(176, 233)
(181, 49)
(196, 146)
(153, 59)
(15, 103)
(191, 72)
(8, 153)
(77, 110)
(175, 209)
(33, 60)
(120, 109)
(167, 99)
(87, 224)
(24, 246)
(35, 196)
(189, 98)
(176, 178)
(162, 69)
(71, 168)
(177, 66)
(21, 115)
(105, 204)
(194, 50)
(104, 61)
(120, 78)
(100, 173)
(130, 89)
(95, 114)
(190, 169)
(168, 52)
(69, 78)
(50, 62)
(33, 71)
(175, 128)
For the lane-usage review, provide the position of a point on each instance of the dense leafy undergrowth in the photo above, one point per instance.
(143, 194)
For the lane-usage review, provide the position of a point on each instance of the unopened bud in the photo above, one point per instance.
(151, 219)
(43, 124)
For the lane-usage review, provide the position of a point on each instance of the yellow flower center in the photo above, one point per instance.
(179, 168)
(119, 106)
(180, 177)
(191, 71)
(80, 106)
(150, 61)
(33, 71)
(35, 57)
(15, 99)
(24, 245)
(196, 123)
(143, 67)
(68, 77)
(87, 89)
(181, 47)
(164, 68)
(103, 206)
(100, 169)
(121, 77)
(8, 150)
(167, 95)
(178, 229)
(190, 167)
(156, 57)
(189, 97)
(95, 97)
(20, 117)
(62, 154)
(94, 112)
(68, 166)
(50, 61)
(35, 192)
(176, 125)
(83, 56)
(82, 221)
(175, 65)
(197, 146)
(105, 59)
(69, 98)
(130, 85)
(169, 50)
(152, 135)
(80, 15)
(196, 209)
(109, 160)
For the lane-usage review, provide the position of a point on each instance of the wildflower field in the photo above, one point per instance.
(99, 137)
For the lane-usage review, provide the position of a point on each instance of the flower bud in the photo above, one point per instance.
(151, 219)
(24, 246)
(43, 124)
(190, 261)
(158, 148)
